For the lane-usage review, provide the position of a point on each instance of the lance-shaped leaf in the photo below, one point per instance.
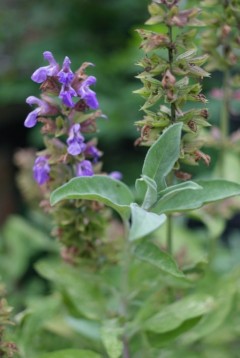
(101, 188)
(183, 200)
(143, 222)
(175, 314)
(162, 155)
(148, 252)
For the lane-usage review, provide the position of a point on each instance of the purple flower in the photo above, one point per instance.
(42, 109)
(93, 152)
(115, 175)
(66, 94)
(87, 94)
(65, 76)
(84, 169)
(41, 170)
(41, 74)
(75, 140)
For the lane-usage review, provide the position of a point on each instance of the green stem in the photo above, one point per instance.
(125, 286)
(169, 235)
(224, 121)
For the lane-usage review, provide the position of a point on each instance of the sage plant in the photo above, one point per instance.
(143, 298)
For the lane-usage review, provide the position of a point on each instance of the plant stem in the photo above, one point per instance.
(173, 119)
(169, 234)
(170, 60)
(125, 286)
(224, 121)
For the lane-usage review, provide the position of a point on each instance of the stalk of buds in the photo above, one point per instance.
(221, 41)
(68, 108)
(171, 78)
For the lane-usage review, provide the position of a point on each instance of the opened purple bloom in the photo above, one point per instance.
(87, 94)
(66, 94)
(115, 175)
(75, 140)
(41, 170)
(84, 169)
(65, 76)
(41, 74)
(43, 109)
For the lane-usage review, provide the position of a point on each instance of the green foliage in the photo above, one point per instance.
(146, 251)
(148, 300)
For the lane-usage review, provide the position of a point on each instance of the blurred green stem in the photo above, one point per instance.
(169, 234)
(224, 121)
(125, 286)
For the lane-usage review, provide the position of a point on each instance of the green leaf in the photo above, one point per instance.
(172, 190)
(175, 314)
(147, 188)
(71, 353)
(101, 188)
(211, 321)
(143, 222)
(83, 292)
(162, 155)
(193, 199)
(161, 339)
(146, 251)
(110, 335)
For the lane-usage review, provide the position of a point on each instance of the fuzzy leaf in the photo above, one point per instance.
(110, 336)
(162, 155)
(175, 314)
(143, 222)
(101, 188)
(148, 252)
(193, 199)
(186, 55)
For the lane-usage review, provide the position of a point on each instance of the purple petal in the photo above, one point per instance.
(31, 119)
(87, 94)
(84, 168)
(93, 152)
(34, 100)
(41, 170)
(115, 175)
(66, 94)
(41, 74)
(75, 140)
(65, 76)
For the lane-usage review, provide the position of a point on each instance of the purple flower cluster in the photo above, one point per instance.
(70, 88)
(75, 93)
